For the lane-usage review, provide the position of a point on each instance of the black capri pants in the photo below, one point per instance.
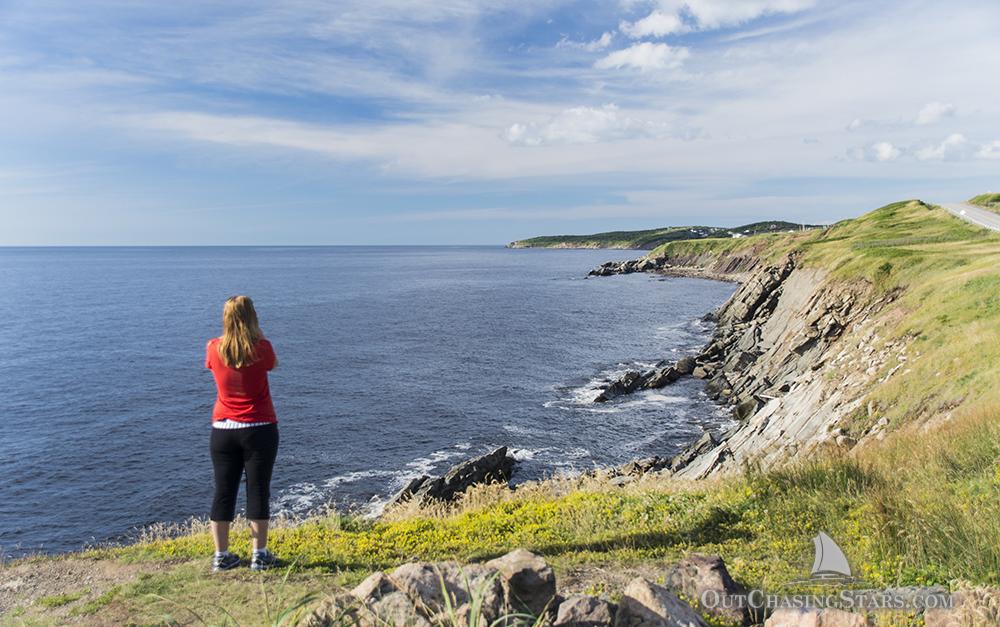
(251, 449)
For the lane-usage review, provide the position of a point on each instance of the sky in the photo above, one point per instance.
(480, 122)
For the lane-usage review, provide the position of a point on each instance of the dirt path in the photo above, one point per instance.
(61, 586)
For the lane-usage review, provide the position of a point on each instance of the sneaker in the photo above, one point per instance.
(262, 560)
(225, 561)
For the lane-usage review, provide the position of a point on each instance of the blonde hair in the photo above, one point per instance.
(240, 332)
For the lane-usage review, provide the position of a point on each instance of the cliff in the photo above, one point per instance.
(831, 338)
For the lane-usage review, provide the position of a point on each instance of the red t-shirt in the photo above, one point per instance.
(244, 395)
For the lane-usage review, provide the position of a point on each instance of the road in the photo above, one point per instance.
(977, 215)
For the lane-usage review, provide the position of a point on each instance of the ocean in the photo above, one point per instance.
(394, 362)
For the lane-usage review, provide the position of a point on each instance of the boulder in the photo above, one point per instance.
(426, 584)
(659, 378)
(703, 371)
(815, 617)
(628, 382)
(703, 578)
(646, 604)
(529, 583)
(581, 610)
(395, 609)
(685, 365)
(747, 407)
(494, 467)
(335, 610)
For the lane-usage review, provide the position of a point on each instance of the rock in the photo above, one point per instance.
(409, 489)
(639, 467)
(529, 583)
(846, 441)
(685, 365)
(628, 382)
(335, 610)
(747, 408)
(660, 378)
(585, 611)
(704, 578)
(395, 609)
(646, 604)
(423, 582)
(704, 444)
(374, 587)
(815, 617)
(494, 467)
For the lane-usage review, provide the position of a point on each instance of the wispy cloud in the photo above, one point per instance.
(583, 125)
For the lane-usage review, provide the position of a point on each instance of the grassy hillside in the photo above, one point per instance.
(646, 240)
(949, 271)
(988, 201)
(919, 507)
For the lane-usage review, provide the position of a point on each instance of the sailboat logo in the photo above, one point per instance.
(830, 562)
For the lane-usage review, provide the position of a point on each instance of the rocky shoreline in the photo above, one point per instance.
(793, 354)
(775, 344)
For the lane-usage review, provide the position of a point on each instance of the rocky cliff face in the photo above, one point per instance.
(794, 353)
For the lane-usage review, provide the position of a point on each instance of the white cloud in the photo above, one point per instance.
(934, 112)
(884, 151)
(644, 56)
(583, 125)
(656, 24)
(600, 43)
(955, 147)
(879, 151)
(990, 150)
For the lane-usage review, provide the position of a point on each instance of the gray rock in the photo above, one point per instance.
(747, 407)
(335, 610)
(646, 604)
(702, 445)
(427, 584)
(394, 609)
(702, 577)
(628, 382)
(529, 583)
(581, 610)
(494, 467)
(639, 467)
(660, 378)
(685, 365)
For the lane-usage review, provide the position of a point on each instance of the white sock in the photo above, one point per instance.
(221, 553)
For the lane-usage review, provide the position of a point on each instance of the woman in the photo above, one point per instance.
(244, 430)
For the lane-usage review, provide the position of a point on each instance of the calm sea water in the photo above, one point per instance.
(394, 362)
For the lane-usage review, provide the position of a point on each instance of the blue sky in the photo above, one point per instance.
(474, 121)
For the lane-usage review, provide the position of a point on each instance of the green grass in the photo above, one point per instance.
(652, 238)
(987, 201)
(59, 600)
